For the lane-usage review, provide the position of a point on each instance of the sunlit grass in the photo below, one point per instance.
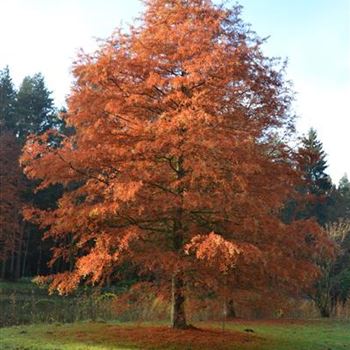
(298, 334)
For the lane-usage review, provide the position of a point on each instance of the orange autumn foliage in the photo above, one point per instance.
(173, 165)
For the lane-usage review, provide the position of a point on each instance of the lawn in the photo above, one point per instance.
(263, 335)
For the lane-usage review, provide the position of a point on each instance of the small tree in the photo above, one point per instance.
(170, 167)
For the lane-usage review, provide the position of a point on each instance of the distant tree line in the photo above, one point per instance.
(329, 204)
(23, 112)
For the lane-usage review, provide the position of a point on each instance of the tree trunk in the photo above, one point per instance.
(19, 253)
(12, 265)
(325, 312)
(25, 255)
(38, 266)
(18, 262)
(178, 316)
(323, 305)
(3, 268)
(231, 311)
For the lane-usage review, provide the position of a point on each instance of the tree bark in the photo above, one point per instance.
(12, 265)
(3, 268)
(178, 316)
(325, 312)
(231, 311)
(18, 262)
(19, 253)
(38, 266)
(25, 255)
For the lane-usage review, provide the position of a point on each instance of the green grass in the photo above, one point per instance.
(268, 335)
(300, 335)
(56, 337)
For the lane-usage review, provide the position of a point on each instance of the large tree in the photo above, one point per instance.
(172, 166)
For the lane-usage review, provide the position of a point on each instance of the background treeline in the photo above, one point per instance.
(30, 110)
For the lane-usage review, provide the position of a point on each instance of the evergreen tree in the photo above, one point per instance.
(344, 197)
(339, 202)
(7, 99)
(317, 184)
(35, 114)
(35, 111)
(30, 110)
(313, 164)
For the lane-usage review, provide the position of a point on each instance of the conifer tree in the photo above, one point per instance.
(7, 100)
(317, 185)
(30, 110)
(313, 164)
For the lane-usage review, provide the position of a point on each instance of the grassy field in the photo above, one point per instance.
(266, 335)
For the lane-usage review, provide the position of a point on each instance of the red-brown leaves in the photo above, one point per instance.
(176, 130)
(215, 250)
(151, 337)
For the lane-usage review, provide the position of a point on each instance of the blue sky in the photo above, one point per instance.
(44, 35)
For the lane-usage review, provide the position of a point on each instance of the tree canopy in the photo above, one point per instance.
(173, 165)
(35, 111)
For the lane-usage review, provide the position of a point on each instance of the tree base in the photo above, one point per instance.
(184, 327)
